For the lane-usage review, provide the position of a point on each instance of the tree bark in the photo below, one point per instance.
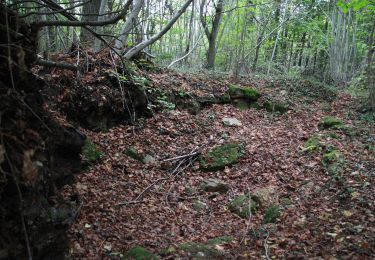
(121, 41)
(212, 35)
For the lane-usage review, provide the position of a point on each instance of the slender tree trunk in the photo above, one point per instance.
(212, 35)
(99, 30)
(130, 21)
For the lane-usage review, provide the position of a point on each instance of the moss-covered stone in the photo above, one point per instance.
(266, 196)
(91, 152)
(221, 156)
(199, 205)
(224, 99)
(242, 205)
(237, 92)
(276, 107)
(285, 201)
(132, 153)
(334, 156)
(140, 253)
(331, 122)
(271, 214)
(242, 104)
(200, 251)
(220, 240)
(313, 143)
(214, 185)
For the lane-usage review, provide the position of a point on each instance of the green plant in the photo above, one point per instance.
(91, 152)
(271, 214)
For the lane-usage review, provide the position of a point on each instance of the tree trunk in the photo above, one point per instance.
(89, 10)
(121, 41)
(212, 35)
(97, 43)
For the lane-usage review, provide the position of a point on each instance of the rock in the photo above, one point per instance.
(276, 106)
(200, 251)
(148, 159)
(199, 205)
(271, 214)
(221, 156)
(132, 153)
(220, 240)
(267, 196)
(231, 121)
(285, 201)
(214, 185)
(242, 204)
(140, 253)
(247, 93)
(330, 122)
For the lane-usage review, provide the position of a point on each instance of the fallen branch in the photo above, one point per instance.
(61, 65)
(136, 200)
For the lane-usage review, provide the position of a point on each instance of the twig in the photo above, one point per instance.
(136, 200)
(266, 245)
(248, 220)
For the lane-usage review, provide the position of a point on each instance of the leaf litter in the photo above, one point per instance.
(328, 214)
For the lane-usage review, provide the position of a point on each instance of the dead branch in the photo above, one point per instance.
(61, 65)
(72, 21)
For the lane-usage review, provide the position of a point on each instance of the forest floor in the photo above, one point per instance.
(323, 213)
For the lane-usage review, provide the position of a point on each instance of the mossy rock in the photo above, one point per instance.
(285, 201)
(276, 107)
(220, 240)
(334, 156)
(200, 251)
(241, 104)
(221, 156)
(140, 253)
(271, 214)
(91, 152)
(313, 143)
(133, 153)
(331, 122)
(224, 99)
(214, 185)
(199, 205)
(240, 205)
(237, 92)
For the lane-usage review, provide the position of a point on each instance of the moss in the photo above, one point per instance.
(91, 152)
(248, 93)
(224, 99)
(240, 205)
(271, 214)
(132, 153)
(139, 253)
(220, 240)
(276, 106)
(285, 201)
(199, 205)
(221, 156)
(330, 122)
(312, 144)
(334, 156)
